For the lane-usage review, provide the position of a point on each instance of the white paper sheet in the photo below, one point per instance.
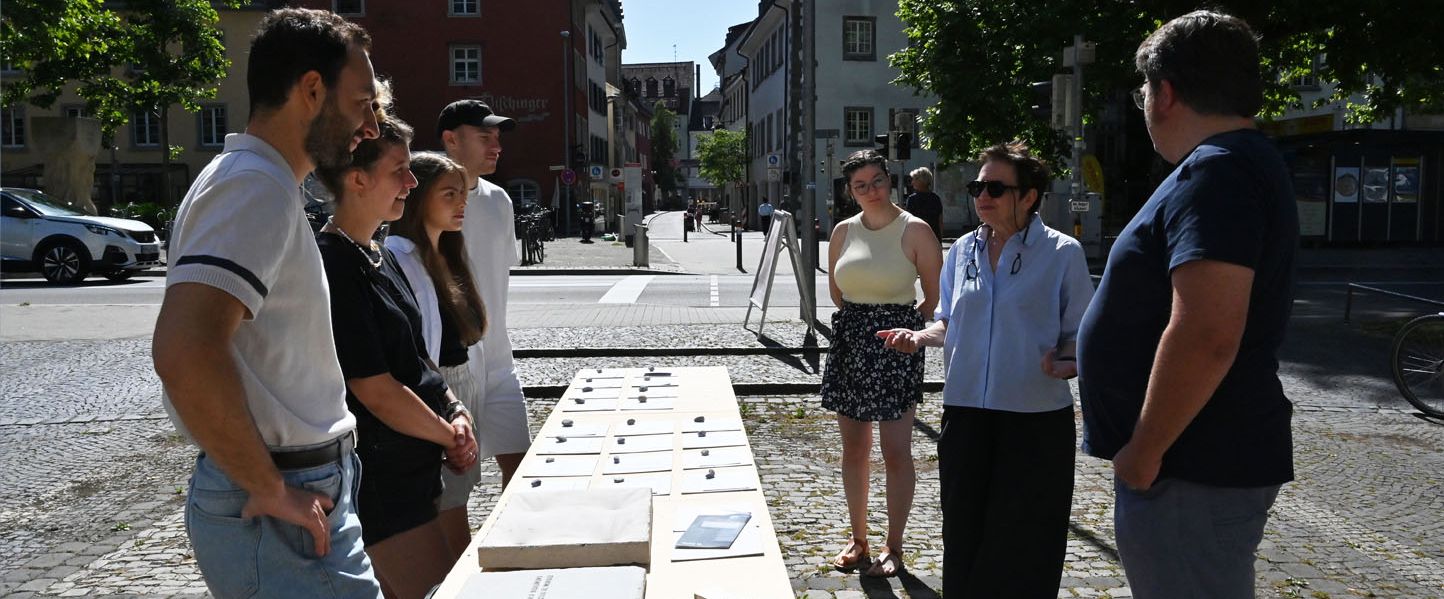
(699, 440)
(639, 443)
(642, 425)
(711, 423)
(650, 403)
(561, 465)
(572, 428)
(590, 392)
(721, 479)
(564, 444)
(622, 582)
(631, 463)
(716, 457)
(652, 392)
(748, 543)
(581, 404)
(659, 482)
(573, 483)
(580, 382)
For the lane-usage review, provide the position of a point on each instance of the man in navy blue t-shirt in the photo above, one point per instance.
(1177, 361)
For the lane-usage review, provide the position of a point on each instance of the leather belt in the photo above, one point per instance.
(314, 457)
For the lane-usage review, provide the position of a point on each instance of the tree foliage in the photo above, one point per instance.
(978, 57)
(664, 149)
(722, 157)
(119, 57)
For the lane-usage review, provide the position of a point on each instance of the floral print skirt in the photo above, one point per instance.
(864, 380)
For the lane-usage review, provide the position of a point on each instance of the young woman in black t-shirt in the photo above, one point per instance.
(427, 242)
(406, 418)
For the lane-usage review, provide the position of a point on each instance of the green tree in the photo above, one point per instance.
(977, 58)
(121, 58)
(722, 157)
(664, 149)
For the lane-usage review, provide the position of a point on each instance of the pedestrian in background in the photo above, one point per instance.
(1178, 354)
(1013, 293)
(428, 244)
(471, 134)
(243, 344)
(925, 204)
(764, 214)
(406, 417)
(876, 259)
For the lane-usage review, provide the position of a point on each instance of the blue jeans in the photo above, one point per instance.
(265, 557)
(1181, 539)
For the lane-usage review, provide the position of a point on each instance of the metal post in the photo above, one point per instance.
(809, 158)
(738, 239)
(566, 207)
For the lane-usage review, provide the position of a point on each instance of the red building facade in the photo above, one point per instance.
(508, 54)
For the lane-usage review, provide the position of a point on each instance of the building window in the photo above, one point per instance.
(651, 87)
(466, 65)
(523, 191)
(8, 68)
(73, 110)
(859, 38)
(12, 126)
(465, 8)
(636, 85)
(213, 125)
(350, 8)
(858, 121)
(669, 87)
(145, 128)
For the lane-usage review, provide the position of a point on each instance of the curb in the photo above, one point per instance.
(592, 271)
(653, 352)
(738, 389)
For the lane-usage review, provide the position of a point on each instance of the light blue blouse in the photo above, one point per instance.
(999, 324)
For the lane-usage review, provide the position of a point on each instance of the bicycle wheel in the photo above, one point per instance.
(1418, 363)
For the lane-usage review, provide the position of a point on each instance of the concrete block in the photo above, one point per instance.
(570, 529)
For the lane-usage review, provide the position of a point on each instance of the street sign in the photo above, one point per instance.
(616, 174)
(774, 160)
(774, 174)
(1078, 205)
(556, 167)
(811, 185)
(596, 172)
(569, 176)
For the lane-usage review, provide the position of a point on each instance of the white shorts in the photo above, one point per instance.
(456, 488)
(501, 420)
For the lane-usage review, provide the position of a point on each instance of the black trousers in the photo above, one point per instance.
(1007, 492)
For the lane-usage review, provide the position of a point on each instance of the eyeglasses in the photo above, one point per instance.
(877, 184)
(995, 189)
(1138, 96)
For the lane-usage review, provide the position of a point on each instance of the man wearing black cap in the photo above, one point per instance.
(471, 134)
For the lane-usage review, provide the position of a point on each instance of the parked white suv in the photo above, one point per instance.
(37, 234)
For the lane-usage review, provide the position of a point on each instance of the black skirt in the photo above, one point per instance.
(864, 380)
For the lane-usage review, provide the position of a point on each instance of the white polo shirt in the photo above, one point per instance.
(241, 229)
(490, 233)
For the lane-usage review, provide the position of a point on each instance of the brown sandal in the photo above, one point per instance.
(879, 567)
(857, 549)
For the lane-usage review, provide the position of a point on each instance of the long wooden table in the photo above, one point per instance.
(699, 391)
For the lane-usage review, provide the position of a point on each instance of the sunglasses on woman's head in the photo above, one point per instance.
(995, 188)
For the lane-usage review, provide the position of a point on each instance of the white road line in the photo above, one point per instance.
(627, 290)
(558, 285)
(715, 302)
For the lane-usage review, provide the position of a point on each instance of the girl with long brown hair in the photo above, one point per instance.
(428, 244)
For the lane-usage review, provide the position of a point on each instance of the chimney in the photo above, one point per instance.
(697, 83)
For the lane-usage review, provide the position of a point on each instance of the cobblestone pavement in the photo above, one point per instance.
(91, 475)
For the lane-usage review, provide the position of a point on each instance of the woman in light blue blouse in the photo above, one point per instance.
(1012, 295)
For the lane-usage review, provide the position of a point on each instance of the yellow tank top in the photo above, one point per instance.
(872, 268)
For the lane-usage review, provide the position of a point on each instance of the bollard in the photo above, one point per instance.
(684, 228)
(738, 238)
(640, 257)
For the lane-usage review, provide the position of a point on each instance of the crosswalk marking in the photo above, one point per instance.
(715, 301)
(627, 290)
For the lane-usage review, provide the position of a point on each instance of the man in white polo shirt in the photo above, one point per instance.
(243, 343)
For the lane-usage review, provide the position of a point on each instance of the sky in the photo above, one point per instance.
(697, 28)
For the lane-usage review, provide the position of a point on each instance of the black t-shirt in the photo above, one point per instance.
(929, 207)
(1230, 200)
(377, 327)
(453, 353)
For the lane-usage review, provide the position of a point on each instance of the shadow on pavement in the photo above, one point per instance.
(880, 588)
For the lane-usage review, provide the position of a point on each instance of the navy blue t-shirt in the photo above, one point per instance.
(1230, 200)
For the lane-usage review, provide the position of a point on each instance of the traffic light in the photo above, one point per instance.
(904, 145)
(883, 140)
(1042, 100)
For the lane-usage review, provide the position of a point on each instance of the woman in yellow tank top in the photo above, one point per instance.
(875, 260)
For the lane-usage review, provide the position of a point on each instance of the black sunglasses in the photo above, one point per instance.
(995, 188)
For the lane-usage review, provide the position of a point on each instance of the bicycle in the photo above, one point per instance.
(533, 229)
(1417, 360)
